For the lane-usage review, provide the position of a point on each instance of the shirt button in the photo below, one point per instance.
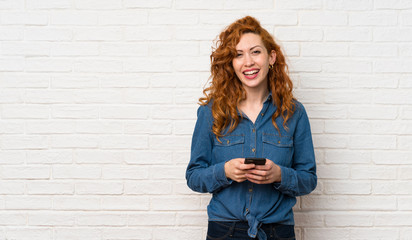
(247, 209)
(262, 114)
(253, 150)
(228, 142)
(253, 130)
(278, 141)
(250, 190)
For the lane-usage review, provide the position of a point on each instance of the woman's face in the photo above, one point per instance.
(252, 61)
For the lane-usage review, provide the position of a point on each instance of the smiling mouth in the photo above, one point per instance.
(251, 73)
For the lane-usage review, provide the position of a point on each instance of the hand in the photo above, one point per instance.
(236, 169)
(264, 174)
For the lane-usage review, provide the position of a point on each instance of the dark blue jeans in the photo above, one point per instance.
(238, 231)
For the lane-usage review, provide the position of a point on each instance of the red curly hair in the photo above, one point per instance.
(226, 91)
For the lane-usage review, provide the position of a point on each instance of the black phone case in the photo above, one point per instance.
(256, 161)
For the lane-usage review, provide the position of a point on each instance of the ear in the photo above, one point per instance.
(272, 57)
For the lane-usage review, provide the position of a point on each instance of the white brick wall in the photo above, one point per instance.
(98, 103)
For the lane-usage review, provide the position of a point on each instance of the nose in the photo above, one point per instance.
(249, 60)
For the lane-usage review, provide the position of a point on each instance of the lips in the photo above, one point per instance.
(251, 73)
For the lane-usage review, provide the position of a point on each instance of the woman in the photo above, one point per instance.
(249, 111)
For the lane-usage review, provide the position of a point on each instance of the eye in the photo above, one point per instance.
(239, 54)
(256, 52)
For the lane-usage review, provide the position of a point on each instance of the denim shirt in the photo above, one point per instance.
(292, 150)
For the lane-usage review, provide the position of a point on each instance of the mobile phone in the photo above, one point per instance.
(256, 161)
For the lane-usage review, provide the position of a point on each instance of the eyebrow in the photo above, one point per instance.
(250, 48)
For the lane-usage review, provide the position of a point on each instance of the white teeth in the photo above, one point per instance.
(251, 72)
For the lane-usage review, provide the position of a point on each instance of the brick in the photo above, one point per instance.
(405, 81)
(406, 19)
(168, 172)
(347, 187)
(25, 49)
(126, 233)
(124, 172)
(98, 4)
(349, 220)
(391, 219)
(148, 96)
(405, 173)
(392, 157)
(51, 219)
(344, 34)
(375, 50)
(326, 112)
(372, 142)
(77, 233)
(348, 97)
(347, 66)
(148, 127)
(398, 96)
(10, 127)
(142, 157)
(347, 156)
(375, 18)
(12, 157)
(190, 33)
(98, 156)
(333, 172)
(99, 127)
(392, 34)
(132, 50)
(345, 126)
(102, 66)
(181, 48)
(148, 33)
(162, 17)
(29, 233)
(49, 96)
(48, 4)
(373, 112)
(76, 172)
(152, 219)
(397, 4)
(12, 65)
(374, 81)
(309, 219)
(406, 112)
(23, 18)
(145, 187)
(49, 157)
(126, 203)
(175, 203)
(13, 219)
(11, 188)
(31, 80)
(76, 203)
(183, 127)
(28, 203)
(124, 142)
(147, 65)
(169, 142)
(12, 4)
(77, 18)
(48, 65)
(179, 233)
(74, 49)
(176, 113)
(323, 19)
(11, 33)
(393, 188)
(299, 34)
(75, 112)
(181, 80)
(404, 142)
(298, 4)
(304, 65)
(47, 34)
(373, 172)
(124, 112)
(24, 142)
(74, 141)
(101, 219)
(148, 4)
(348, 203)
(99, 188)
(97, 34)
(330, 141)
(74, 82)
(350, 5)
(324, 49)
(52, 188)
(375, 233)
(125, 80)
(319, 81)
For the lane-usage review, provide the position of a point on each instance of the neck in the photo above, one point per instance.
(256, 96)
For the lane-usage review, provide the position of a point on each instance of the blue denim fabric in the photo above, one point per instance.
(238, 231)
(292, 150)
